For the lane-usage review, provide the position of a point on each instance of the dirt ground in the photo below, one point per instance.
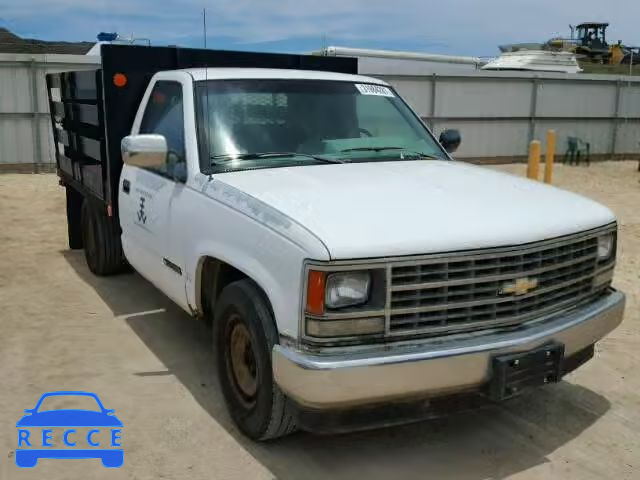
(62, 328)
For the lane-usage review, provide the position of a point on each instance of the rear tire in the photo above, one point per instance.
(74, 218)
(244, 334)
(101, 240)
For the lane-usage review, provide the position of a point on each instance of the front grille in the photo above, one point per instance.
(466, 292)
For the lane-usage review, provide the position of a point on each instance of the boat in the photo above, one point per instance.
(535, 60)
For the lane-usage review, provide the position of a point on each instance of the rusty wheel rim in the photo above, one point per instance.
(242, 360)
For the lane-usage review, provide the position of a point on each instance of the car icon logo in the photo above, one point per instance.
(35, 430)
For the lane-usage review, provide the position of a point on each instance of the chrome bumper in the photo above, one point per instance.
(432, 367)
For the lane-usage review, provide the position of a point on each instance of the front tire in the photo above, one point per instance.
(244, 334)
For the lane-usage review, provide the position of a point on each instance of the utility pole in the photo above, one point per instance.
(204, 26)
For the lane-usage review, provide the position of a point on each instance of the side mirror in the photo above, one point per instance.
(450, 140)
(146, 150)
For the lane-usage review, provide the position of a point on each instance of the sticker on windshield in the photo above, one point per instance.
(380, 90)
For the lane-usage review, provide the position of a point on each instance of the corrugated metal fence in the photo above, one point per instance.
(499, 113)
(26, 142)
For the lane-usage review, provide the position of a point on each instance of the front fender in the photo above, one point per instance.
(256, 239)
(279, 276)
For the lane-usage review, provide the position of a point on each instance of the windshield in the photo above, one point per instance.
(65, 402)
(302, 122)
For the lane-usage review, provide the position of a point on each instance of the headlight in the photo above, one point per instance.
(346, 289)
(329, 293)
(605, 246)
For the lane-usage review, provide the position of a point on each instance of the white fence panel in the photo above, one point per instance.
(25, 127)
(498, 114)
(468, 97)
(569, 98)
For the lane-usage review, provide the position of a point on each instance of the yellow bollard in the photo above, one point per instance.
(551, 152)
(533, 168)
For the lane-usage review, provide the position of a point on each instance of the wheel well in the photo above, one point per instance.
(214, 276)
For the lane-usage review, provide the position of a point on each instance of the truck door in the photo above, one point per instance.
(146, 195)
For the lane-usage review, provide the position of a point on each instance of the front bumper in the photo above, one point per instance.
(432, 367)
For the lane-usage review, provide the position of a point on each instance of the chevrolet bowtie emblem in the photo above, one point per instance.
(519, 286)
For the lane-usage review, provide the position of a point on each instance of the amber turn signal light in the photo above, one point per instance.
(315, 292)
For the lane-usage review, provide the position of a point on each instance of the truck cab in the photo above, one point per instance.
(354, 273)
(219, 123)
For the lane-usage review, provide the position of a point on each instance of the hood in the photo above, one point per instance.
(378, 209)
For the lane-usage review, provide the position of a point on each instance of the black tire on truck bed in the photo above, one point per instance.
(101, 239)
(267, 413)
(74, 218)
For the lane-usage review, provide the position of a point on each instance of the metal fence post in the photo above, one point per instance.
(432, 113)
(533, 111)
(616, 117)
(35, 116)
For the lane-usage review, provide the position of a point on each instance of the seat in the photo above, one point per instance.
(577, 150)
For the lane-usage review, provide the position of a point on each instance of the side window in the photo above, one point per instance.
(164, 115)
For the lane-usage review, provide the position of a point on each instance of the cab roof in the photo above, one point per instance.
(199, 74)
(592, 25)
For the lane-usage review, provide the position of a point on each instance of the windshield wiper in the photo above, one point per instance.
(371, 149)
(227, 157)
(381, 149)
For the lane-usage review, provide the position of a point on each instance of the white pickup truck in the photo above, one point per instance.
(354, 273)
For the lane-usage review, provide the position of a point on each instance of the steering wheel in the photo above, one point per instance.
(176, 165)
(366, 132)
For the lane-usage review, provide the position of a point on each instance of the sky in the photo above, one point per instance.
(460, 27)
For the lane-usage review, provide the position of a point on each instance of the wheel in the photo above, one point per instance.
(244, 334)
(74, 218)
(26, 459)
(101, 239)
(112, 459)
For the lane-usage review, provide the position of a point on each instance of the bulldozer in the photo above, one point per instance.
(589, 42)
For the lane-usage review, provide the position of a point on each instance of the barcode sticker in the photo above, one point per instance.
(369, 89)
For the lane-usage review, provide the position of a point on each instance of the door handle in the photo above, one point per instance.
(126, 185)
